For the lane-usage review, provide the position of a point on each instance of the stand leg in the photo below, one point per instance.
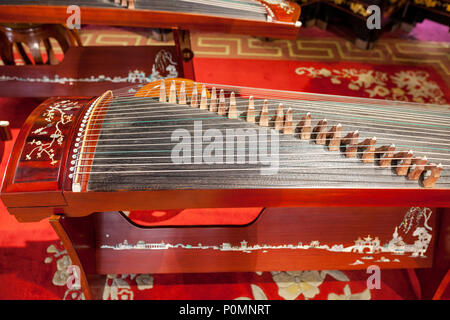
(435, 280)
(183, 46)
(77, 236)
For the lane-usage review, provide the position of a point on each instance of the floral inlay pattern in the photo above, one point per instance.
(282, 4)
(55, 116)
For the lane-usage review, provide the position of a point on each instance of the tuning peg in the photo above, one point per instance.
(264, 116)
(320, 132)
(432, 174)
(278, 119)
(287, 128)
(417, 167)
(182, 95)
(162, 91)
(351, 143)
(250, 117)
(334, 137)
(213, 101)
(368, 145)
(194, 97)
(222, 106)
(404, 163)
(173, 92)
(204, 99)
(386, 154)
(304, 127)
(232, 112)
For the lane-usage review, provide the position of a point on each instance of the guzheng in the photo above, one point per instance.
(329, 182)
(166, 145)
(271, 18)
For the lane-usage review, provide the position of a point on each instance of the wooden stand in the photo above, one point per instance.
(279, 239)
(183, 47)
(90, 71)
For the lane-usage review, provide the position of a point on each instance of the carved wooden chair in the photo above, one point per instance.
(5, 135)
(416, 11)
(32, 35)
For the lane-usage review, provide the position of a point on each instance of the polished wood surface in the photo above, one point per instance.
(90, 71)
(107, 62)
(274, 227)
(198, 248)
(151, 19)
(76, 238)
(37, 162)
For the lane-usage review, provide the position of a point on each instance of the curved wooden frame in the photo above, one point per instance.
(44, 196)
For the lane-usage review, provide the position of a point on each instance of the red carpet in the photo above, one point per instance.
(398, 82)
(33, 265)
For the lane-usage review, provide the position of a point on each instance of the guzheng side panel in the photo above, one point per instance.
(90, 71)
(102, 13)
(37, 161)
(280, 239)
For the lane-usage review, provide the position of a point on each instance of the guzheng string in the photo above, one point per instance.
(115, 109)
(283, 94)
(342, 120)
(212, 124)
(281, 161)
(152, 132)
(354, 120)
(310, 97)
(160, 138)
(244, 116)
(118, 109)
(137, 107)
(114, 114)
(350, 105)
(308, 106)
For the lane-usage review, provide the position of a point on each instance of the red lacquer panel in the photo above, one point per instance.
(33, 175)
